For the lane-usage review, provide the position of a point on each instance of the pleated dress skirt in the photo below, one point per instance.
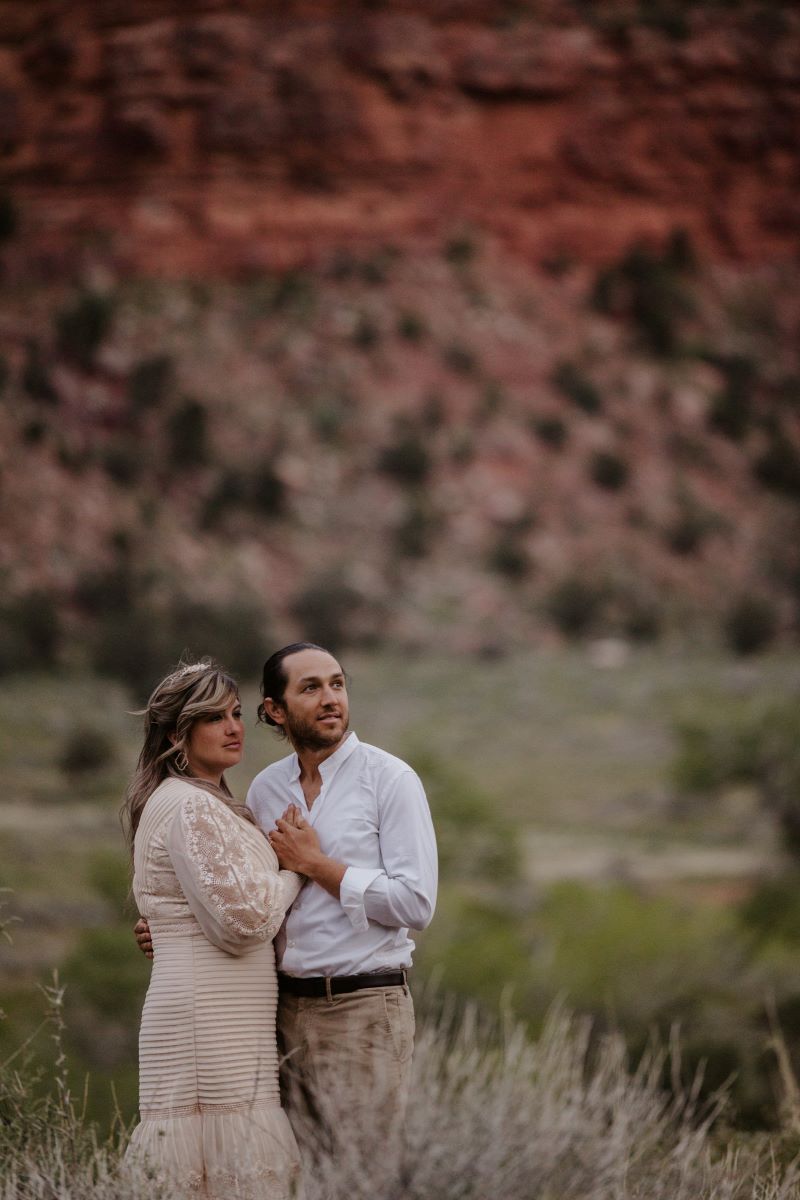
(211, 1119)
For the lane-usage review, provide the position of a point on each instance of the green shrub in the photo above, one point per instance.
(414, 534)
(575, 605)
(151, 381)
(608, 470)
(772, 910)
(30, 633)
(82, 326)
(508, 558)
(268, 491)
(647, 289)
(460, 358)
(688, 531)
(123, 461)
(229, 491)
(732, 408)
(641, 619)
(325, 608)
(750, 624)
(460, 250)
(187, 432)
(407, 459)
(36, 378)
(493, 399)
(412, 326)
(692, 523)
(778, 467)
(758, 747)
(476, 842)
(550, 430)
(86, 749)
(366, 334)
(577, 387)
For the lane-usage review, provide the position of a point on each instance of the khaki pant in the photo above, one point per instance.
(346, 1067)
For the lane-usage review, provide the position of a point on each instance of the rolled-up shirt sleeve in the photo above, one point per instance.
(401, 894)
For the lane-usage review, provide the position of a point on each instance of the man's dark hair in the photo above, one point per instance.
(274, 680)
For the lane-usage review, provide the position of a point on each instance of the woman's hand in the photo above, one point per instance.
(141, 932)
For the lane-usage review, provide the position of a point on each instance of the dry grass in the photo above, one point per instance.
(492, 1115)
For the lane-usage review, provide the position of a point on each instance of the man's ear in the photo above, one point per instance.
(275, 710)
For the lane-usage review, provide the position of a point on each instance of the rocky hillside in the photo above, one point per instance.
(464, 327)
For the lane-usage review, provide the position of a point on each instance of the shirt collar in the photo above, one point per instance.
(330, 765)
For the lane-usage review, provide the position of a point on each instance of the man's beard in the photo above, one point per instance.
(307, 735)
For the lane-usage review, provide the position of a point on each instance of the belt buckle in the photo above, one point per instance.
(328, 988)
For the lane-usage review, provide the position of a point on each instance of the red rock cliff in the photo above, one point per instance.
(222, 137)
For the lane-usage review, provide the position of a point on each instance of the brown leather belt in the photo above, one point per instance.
(338, 985)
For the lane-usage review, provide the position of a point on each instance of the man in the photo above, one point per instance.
(345, 1016)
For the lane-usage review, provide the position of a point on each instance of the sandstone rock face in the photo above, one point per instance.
(262, 133)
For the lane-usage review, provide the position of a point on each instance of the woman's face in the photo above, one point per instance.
(216, 742)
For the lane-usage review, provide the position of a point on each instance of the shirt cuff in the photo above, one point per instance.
(355, 882)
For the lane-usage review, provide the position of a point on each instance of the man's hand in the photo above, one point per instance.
(297, 847)
(141, 932)
(295, 842)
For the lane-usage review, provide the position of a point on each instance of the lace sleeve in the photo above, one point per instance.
(237, 898)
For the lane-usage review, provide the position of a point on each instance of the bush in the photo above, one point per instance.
(413, 536)
(230, 491)
(36, 378)
(476, 841)
(123, 461)
(608, 470)
(732, 409)
(460, 358)
(151, 382)
(750, 624)
(366, 334)
(649, 290)
(268, 492)
(412, 326)
(778, 467)
(187, 431)
(30, 633)
(461, 250)
(574, 605)
(407, 460)
(82, 326)
(550, 430)
(325, 609)
(577, 387)
(86, 749)
(507, 557)
(688, 531)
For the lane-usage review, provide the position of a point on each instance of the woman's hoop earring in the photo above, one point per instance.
(181, 762)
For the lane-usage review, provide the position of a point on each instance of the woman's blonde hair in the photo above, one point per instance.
(190, 692)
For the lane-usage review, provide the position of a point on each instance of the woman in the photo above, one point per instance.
(208, 882)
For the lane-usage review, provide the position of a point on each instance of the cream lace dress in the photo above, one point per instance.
(209, 884)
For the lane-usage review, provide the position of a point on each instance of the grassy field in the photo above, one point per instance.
(573, 865)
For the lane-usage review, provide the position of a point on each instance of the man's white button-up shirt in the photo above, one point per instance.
(372, 815)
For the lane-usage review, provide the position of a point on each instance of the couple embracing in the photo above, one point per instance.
(333, 856)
